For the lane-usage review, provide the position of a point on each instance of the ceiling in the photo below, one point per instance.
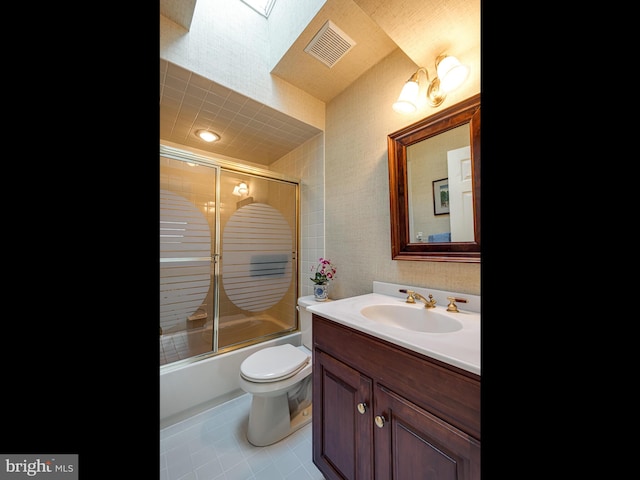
(249, 129)
(422, 29)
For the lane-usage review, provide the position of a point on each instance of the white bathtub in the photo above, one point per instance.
(193, 388)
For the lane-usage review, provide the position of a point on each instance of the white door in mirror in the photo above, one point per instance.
(460, 194)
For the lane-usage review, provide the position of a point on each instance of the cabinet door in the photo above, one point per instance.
(412, 443)
(342, 420)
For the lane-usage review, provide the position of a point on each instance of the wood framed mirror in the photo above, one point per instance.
(434, 186)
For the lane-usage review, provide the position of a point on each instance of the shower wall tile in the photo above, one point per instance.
(307, 163)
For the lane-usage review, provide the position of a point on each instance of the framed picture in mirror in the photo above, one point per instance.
(441, 196)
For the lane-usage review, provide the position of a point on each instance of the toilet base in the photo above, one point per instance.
(280, 425)
(301, 419)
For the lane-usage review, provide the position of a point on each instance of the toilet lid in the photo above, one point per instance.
(273, 363)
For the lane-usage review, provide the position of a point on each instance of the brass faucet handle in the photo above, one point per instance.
(410, 296)
(431, 303)
(452, 307)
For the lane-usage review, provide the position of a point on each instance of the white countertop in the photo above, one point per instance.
(460, 348)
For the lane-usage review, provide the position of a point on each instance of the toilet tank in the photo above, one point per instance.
(305, 318)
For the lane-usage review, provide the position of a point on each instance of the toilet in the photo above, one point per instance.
(279, 379)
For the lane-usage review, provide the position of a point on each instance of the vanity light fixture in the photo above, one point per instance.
(207, 135)
(450, 74)
(241, 189)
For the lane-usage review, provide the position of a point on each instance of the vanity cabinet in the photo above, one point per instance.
(381, 411)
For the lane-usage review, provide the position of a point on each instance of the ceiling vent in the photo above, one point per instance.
(330, 44)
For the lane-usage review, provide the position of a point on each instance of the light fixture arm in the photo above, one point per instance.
(414, 77)
(435, 96)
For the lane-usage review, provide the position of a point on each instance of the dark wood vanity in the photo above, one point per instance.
(381, 411)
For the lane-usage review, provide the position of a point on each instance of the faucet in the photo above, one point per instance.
(411, 298)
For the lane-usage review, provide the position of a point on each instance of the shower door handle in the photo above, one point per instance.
(215, 260)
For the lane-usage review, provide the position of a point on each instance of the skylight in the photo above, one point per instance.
(263, 7)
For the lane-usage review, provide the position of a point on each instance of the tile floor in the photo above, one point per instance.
(212, 445)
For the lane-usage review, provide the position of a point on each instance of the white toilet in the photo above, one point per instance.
(279, 378)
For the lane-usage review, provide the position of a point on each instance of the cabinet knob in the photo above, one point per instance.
(380, 421)
(362, 407)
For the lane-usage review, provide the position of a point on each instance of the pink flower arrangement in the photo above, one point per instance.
(325, 271)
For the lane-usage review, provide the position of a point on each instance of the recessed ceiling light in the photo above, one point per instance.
(208, 136)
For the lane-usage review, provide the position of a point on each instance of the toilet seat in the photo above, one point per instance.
(274, 363)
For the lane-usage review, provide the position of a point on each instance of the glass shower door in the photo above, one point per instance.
(187, 243)
(258, 266)
(228, 259)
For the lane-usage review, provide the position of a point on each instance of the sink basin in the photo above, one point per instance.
(417, 319)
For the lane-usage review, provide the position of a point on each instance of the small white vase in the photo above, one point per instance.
(320, 292)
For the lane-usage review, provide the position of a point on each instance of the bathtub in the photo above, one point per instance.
(193, 388)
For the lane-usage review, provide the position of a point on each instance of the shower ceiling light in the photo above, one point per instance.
(207, 135)
(241, 189)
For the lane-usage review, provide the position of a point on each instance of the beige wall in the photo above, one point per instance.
(358, 236)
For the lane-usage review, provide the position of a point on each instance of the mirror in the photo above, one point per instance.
(434, 186)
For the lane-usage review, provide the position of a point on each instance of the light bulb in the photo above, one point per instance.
(208, 136)
(241, 189)
(451, 73)
(407, 100)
